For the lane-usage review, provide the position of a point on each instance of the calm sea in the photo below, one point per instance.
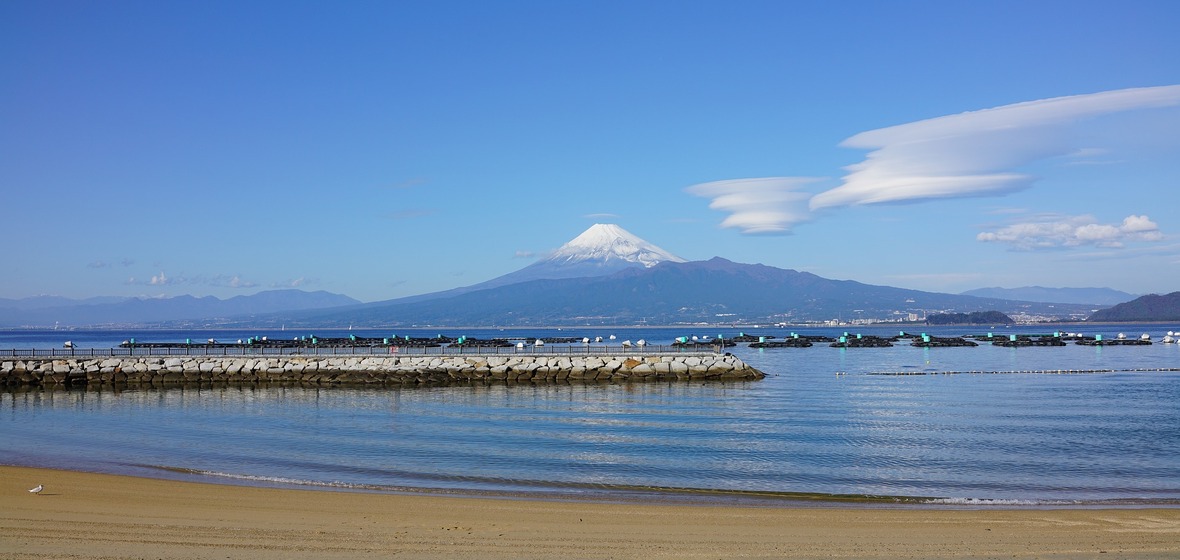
(821, 424)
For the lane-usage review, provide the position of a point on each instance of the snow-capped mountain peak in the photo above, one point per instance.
(608, 242)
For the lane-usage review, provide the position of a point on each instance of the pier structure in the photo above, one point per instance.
(377, 369)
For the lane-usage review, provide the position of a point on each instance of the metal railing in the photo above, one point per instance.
(368, 351)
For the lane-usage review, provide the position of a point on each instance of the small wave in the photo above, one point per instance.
(998, 502)
(265, 479)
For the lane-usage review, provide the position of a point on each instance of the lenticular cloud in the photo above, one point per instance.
(765, 206)
(974, 153)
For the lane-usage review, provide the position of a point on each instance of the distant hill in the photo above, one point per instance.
(1151, 307)
(48, 311)
(1093, 296)
(713, 291)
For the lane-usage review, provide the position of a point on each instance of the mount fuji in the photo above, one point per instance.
(601, 250)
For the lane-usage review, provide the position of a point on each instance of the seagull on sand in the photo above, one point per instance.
(38, 489)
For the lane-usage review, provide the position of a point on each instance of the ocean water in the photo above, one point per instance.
(824, 423)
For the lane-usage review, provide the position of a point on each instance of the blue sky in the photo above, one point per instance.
(385, 149)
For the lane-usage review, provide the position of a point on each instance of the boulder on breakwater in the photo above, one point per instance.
(371, 370)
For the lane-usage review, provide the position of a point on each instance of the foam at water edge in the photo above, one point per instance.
(998, 502)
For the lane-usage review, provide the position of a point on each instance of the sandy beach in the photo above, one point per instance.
(82, 515)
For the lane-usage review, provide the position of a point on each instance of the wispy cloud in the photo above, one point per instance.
(769, 205)
(234, 281)
(972, 154)
(296, 283)
(160, 279)
(104, 264)
(219, 280)
(1055, 232)
(524, 255)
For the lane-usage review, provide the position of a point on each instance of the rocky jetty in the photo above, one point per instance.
(371, 370)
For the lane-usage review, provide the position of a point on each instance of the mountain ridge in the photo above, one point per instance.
(1096, 296)
(717, 290)
(1148, 308)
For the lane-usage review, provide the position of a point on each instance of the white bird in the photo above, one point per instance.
(68, 344)
(37, 490)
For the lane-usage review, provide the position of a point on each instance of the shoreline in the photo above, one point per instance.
(113, 516)
(619, 494)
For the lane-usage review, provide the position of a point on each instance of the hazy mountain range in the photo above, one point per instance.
(1089, 296)
(115, 311)
(605, 275)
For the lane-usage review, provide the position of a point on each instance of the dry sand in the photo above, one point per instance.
(82, 515)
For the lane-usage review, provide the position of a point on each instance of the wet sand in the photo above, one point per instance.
(81, 515)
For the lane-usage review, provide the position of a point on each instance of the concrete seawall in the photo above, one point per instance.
(369, 370)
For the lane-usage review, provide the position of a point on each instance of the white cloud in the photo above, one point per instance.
(160, 279)
(524, 255)
(1054, 232)
(976, 153)
(234, 281)
(770, 205)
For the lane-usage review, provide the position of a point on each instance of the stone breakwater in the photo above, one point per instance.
(369, 370)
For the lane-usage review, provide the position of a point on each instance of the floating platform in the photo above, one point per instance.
(942, 342)
(1114, 342)
(1024, 341)
(862, 342)
(800, 342)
